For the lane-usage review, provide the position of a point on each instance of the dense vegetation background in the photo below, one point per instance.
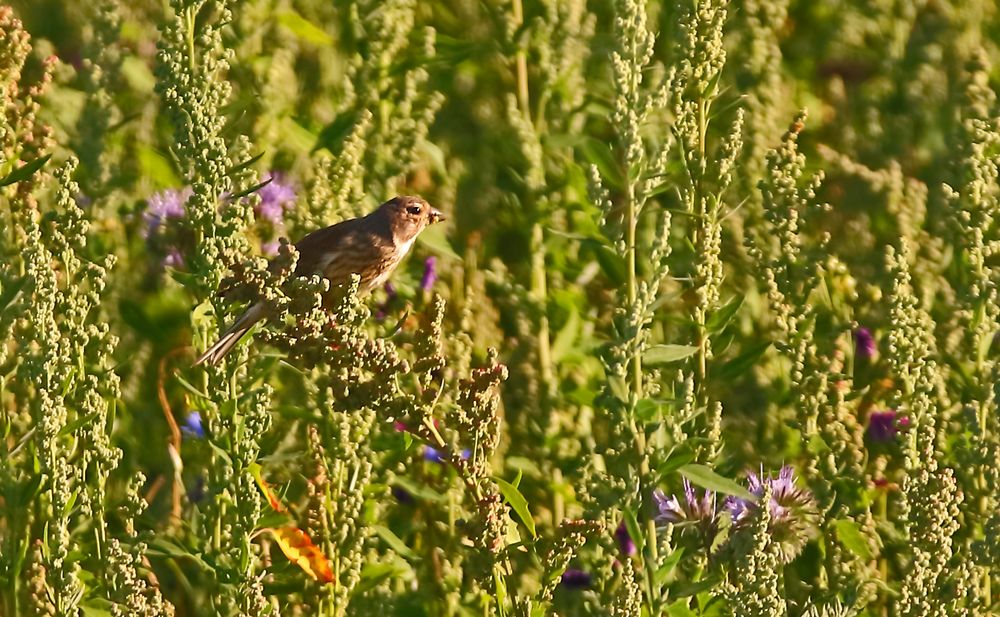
(711, 329)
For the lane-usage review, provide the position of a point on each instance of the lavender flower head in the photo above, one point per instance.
(883, 425)
(698, 513)
(275, 197)
(792, 510)
(693, 508)
(864, 343)
(430, 274)
(625, 543)
(168, 204)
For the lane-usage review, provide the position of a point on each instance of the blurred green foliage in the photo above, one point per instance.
(691, 247)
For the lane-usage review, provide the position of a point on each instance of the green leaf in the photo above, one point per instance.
(706, 478)
(157, 168)
(664, 354)
(501, 587)
(718, 320)
(435, 239)
(678, 457)
(518, 502)
(73, 426)
(394, 542)
(374, 573)
(693, 588)
(634, 531)
(252, 189)
(304, 29)
(25, 171)
(10, 292)
(668, 565)
(566, 336)
(851, 536)
(334, 134)
(599, 153)
(680, 609)
(647, 410)
(420, 491)
(743, 362)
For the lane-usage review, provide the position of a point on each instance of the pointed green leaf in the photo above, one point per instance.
(718, 320)
(664, 354)
(394, 542)
(851, 536)
(634, 531)
(25, 171)
(518, 502)
(706, 478)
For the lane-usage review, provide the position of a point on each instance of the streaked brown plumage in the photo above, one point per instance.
(370, 246)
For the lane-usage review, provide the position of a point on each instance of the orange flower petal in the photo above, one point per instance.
(299, 548)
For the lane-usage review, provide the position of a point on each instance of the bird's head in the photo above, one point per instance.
(408, 216)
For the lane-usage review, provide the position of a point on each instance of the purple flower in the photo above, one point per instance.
(430, 273)
(192, 425)
(168, 204)
(864, 343)
(882, 425)
(792, 510)
(435, 456)
(402, 495)
(692, 509)
(173, 259)
(624, 540)
(275, 197)
(270, 249)
(573, 578)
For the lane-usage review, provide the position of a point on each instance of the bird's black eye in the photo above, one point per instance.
(413, 209)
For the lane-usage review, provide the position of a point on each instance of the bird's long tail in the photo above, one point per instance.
(231, 336)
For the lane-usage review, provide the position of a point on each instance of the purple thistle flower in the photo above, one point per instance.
(430, 273)
(625, 543)
(882, 425)
(693, 509)
(864, 343)
(574, 578)
(275, 197)
(168, 204)
(792, 510)
(192, 425)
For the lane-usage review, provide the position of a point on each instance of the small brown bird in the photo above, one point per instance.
(370, 246)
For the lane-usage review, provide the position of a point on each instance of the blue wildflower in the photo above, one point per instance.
(192, 425)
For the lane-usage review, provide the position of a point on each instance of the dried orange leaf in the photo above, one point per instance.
(265, 488)
(297, 546)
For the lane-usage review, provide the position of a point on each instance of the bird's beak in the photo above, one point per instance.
(436, 216)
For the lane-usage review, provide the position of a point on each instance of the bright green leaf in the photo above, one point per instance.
(518, 502)
(663, 354)
(706, 478)
(851, 536)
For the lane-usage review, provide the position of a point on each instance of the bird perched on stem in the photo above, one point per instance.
(370, 246)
